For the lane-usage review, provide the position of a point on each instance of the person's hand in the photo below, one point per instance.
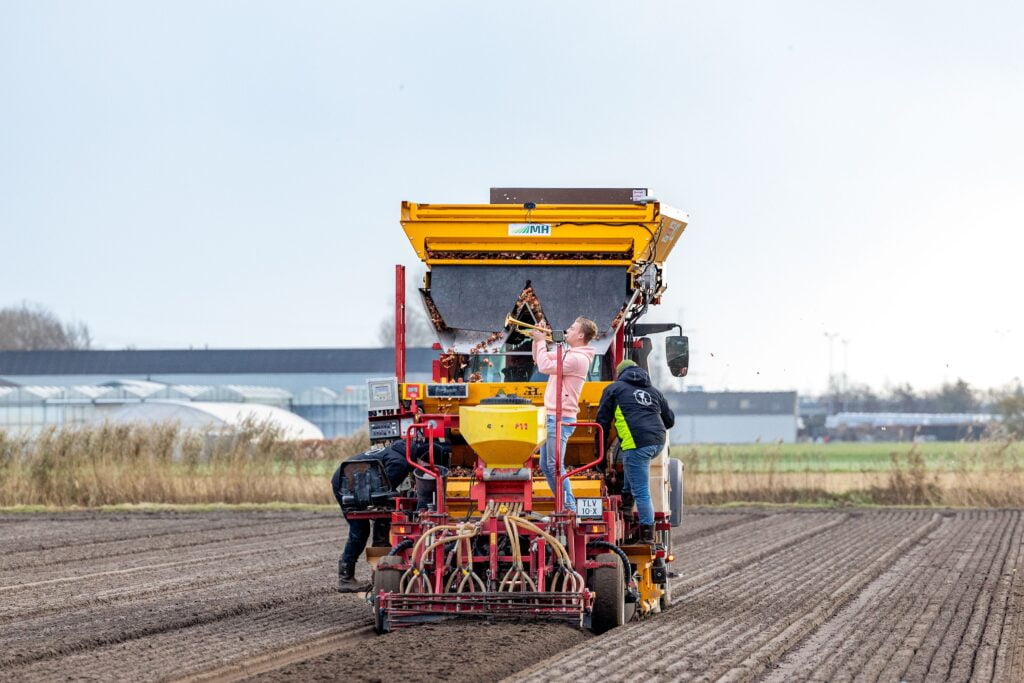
(539, 335)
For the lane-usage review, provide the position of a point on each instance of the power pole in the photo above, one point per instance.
(831, 336)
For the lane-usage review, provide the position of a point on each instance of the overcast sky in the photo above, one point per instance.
(230, 173)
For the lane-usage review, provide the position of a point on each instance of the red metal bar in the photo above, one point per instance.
(433, 471)
(600, 457)
(559, 494)
(400, 323)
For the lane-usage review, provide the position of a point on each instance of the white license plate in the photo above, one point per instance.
(589, 507)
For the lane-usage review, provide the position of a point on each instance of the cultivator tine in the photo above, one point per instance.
(408, 609)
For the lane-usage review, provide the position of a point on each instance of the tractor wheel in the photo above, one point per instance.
(387, 578)
(666, 597)
(609, 609)
(675, 482)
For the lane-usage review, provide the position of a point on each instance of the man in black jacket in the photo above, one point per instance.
(641, 417)
(397, 468)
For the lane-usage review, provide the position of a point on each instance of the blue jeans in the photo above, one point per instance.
(636, 466)
(547, 458)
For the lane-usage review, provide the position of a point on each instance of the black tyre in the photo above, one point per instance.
(609, 609)
(675, 482)
(666, 597)
(387, 578)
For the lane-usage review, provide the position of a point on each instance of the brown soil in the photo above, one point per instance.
(773, 595)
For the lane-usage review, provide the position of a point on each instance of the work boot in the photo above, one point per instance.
(627, 502)
(347, 582)
(647, 534)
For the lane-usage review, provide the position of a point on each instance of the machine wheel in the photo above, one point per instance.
(387, 578)
(666, 597)
(675, 482)
(609, 608)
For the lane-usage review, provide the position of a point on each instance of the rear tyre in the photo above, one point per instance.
(609, 609)
(387, 578)
(666, 596)
(675, 482)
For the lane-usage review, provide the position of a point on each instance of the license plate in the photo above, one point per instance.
(589, 507)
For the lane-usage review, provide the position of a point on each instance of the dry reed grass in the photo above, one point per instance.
(986, 474)
(114, 464)
(119, 464)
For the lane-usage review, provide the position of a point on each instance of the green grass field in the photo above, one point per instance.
(847, 456)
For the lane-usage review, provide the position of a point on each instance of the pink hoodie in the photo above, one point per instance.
(575, 364)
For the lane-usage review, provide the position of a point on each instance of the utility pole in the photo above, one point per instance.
(831, 336)
(846, 380)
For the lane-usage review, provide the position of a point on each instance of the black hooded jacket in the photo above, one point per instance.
(392, 457)
(637, 409)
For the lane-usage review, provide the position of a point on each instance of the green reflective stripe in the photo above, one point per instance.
(625, 436)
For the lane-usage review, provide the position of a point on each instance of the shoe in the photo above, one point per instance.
(647, 534)
(627, 502)
(347, 582)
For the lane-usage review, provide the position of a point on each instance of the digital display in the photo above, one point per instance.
(451, 390)
(383, 393)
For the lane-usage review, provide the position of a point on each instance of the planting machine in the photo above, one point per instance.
(495, 540)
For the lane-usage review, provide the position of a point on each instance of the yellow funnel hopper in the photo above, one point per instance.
(502, 435)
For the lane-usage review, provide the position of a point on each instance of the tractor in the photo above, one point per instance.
(480, 533)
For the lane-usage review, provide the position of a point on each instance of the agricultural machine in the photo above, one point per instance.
(495, 541)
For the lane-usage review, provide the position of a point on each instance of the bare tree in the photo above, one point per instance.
(31, 327)
(1010, 404)
(418, 329)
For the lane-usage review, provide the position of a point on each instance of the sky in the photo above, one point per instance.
(229, 174)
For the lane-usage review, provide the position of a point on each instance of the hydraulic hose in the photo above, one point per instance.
(402, 545)
(627, 569)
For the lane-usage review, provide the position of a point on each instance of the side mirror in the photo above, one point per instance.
(677, 351)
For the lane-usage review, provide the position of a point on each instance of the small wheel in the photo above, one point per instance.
(666, 596)
(387, 578)
(675, 482)
(609, 609)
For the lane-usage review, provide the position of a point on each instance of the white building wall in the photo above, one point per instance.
(734, 429)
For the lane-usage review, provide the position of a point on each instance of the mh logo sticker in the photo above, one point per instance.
(530, 229)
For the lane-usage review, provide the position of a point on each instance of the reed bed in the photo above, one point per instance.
(164, 464)
(984, 474)
(117, 464)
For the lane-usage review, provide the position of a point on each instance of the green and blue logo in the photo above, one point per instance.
(530, 229)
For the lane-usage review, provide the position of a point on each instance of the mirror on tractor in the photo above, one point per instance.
(677, 351)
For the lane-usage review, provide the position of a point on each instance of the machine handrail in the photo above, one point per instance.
(600, 457)
(434, 471)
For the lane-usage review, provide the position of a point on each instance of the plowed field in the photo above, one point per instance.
(776, 596)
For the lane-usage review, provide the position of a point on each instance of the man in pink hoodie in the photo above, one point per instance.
(575, 365)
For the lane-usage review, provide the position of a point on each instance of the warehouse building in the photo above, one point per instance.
(734, 417)
(326, 387)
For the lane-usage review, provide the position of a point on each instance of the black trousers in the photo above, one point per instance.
(359, 534)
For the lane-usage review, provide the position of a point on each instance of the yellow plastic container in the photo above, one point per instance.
(502, 435)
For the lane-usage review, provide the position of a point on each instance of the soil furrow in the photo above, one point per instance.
(234, 554)
(822, 655)
(1009, 660)
(983, 666)
(232, 596)
(710, 524)
(970, 637)
(735, 604)
(731, 563)
(906, 643)
(78, 529)
(108, 550)
(936, 654)
(250, 631)
(825, 578)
